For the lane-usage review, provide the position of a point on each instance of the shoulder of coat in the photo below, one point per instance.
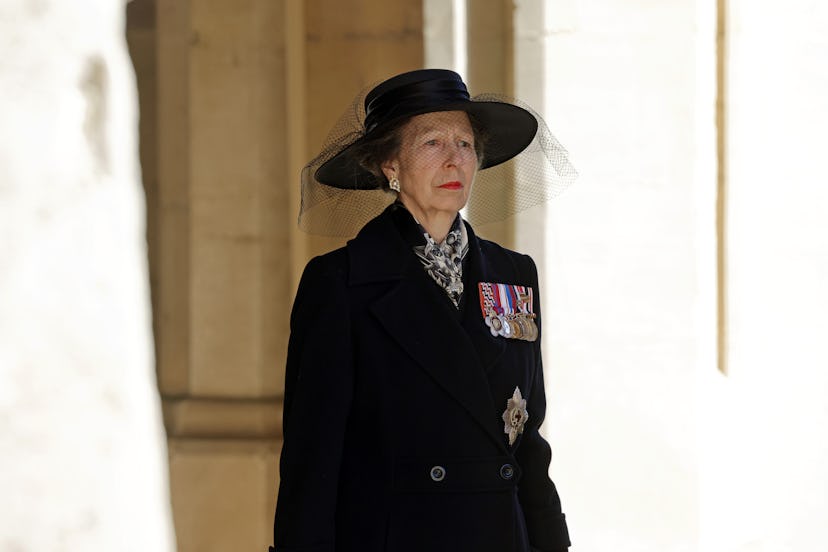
(523, 264)
(329, 266)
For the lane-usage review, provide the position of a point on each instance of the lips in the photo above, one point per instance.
(455, 185)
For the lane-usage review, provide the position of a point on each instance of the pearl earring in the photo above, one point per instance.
(394, 184)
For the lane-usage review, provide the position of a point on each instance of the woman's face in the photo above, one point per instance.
(436, 163)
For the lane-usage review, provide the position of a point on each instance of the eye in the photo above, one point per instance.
(464, 144)
(432, 142)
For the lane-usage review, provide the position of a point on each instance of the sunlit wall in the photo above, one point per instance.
(655, 449)
(765, 441)
(628, 294)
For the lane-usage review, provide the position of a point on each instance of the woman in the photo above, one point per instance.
(414, 385)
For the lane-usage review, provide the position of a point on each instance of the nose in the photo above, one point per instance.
(456, 154)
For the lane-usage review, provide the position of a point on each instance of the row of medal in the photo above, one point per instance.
(507, 310)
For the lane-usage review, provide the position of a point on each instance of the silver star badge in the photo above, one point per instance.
(515, 416)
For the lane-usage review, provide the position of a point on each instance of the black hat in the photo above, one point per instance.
(526, 165)
(509, 129)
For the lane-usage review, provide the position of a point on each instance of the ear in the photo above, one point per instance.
(390, 168)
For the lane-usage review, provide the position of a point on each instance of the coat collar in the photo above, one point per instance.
(379, 252)
(421, 320)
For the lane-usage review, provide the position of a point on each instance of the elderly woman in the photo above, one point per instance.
(414, 386)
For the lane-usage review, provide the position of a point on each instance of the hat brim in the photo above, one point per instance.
(508, 129)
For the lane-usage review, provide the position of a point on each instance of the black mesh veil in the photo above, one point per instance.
(539, 173)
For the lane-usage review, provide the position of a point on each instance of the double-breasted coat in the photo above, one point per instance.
(393, 436)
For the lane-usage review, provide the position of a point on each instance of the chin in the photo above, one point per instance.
(451, 206)
(452, 203)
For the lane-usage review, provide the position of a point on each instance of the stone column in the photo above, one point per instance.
(245, 94)
(222, 262)
(349, 46)
(491, 68)
(82, 455)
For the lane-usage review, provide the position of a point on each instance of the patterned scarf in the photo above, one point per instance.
(444, 261)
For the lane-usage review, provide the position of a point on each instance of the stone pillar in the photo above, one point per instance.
(490, 68)
(82, 455)
(350, 46)
(222, 263)
(240, 95)
(490, 46)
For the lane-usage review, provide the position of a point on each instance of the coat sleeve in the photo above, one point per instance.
(545, 522)
(318, 393)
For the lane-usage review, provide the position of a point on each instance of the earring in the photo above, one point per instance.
(394, 184)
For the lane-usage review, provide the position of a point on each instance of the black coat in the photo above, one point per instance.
(386, 380)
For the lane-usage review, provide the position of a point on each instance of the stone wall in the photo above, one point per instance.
(236, 97)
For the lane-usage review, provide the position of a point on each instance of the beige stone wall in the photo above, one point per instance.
(490, 68)
(349, 47)
(235, 97)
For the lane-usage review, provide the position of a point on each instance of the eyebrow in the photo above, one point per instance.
(426, 130)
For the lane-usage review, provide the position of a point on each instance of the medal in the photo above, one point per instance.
(508, 310)
(532, 333)
(507, 328)
(494, 324)
(518, 328)
(515, 416)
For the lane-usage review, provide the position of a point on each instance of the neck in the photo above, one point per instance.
(437, 224)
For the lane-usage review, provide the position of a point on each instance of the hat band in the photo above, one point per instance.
(413, 99)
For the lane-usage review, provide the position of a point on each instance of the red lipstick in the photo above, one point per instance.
(455, 185)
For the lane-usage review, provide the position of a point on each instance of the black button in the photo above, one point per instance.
(438, 473)
(507, 472)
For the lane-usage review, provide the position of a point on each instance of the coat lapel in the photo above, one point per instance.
(489, 349)
(422, 322)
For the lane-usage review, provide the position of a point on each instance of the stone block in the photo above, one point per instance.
(276, 300)
(228, 418)
(224, 494)
(236, 56)
(173, 295)
(350, 49)
(225, 313)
